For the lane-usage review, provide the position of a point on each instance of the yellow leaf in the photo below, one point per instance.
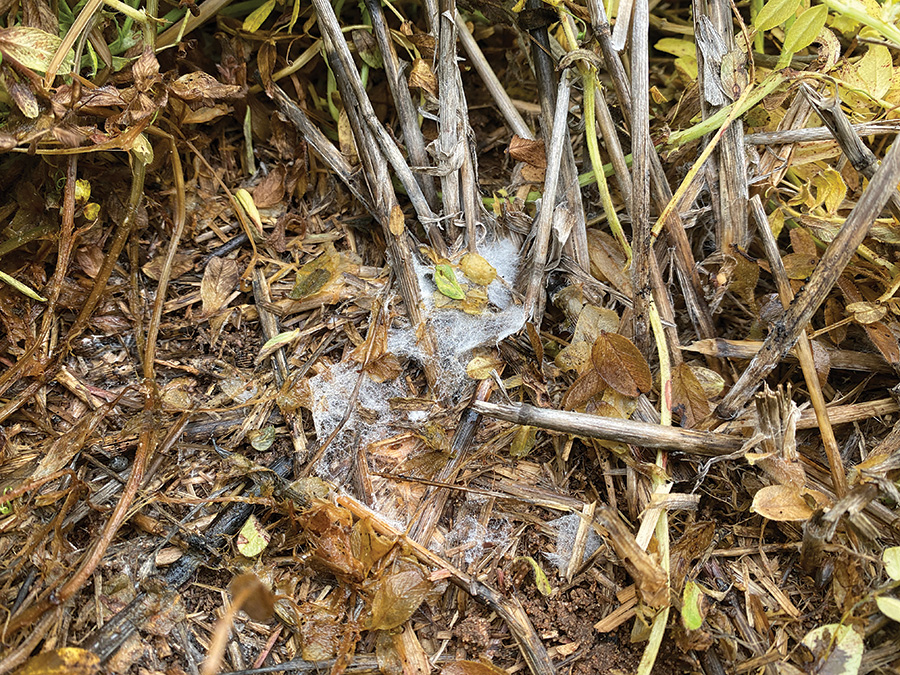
(477, 269)
(258, 16)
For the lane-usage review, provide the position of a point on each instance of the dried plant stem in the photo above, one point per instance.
(451, 140)
(863, 160)
(165, 274)
(323, 147)
(534, 290)
(642, 241)
(571, 227)
(783, 335)
(662, 193)
(804, 350)
(406, 109)
(839, 359)
(498, 93)
(813, 134)
(612, 429)
(371, 136)
(731, 226)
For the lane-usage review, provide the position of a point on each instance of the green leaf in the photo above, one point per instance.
(889, 606)
(692, 606)
(775, 13)
(804, 31)
(891, 558)
(540, 579)
(258, 16)
(253, 538)
(445, 280)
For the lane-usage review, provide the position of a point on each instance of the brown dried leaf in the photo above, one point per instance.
(834, 313)
(781, 503)
(621, 365)
(802, 242)
(255, 597)
(198, 86)
(583, 389)
(867, 312)
(744, 277)
(884, 340)
(528, 151)
(146, 70)
(608, 261)
(270, 191)
(423, 77)
(396, 222)
(219, 280)
(799, 265)
(320, 630)
(821, 361)
(182, 264)
(688, 396)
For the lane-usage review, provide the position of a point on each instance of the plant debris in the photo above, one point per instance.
(412, 337)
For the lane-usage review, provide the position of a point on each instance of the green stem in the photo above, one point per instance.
(590, 82)
(858, 12)
(714, 122)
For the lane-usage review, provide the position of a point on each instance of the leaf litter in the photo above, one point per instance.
(317, 356)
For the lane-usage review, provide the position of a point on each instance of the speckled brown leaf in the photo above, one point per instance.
(583, 390)
(528, 151)
(821, 360)
(219, 280)
(621, 365)
(688, 397)
(198, 85)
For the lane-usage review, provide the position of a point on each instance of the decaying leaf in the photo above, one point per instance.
(583, 389)
(445, 280)
(528, 151)
(397, 596)
(693, 606)
(477, 269)
(219, 281)
(781, 503)
(62, 661)
(483, 364)
(836, 648)
(252, 538)
(688, 396)
(621, 365)
(540, 578)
